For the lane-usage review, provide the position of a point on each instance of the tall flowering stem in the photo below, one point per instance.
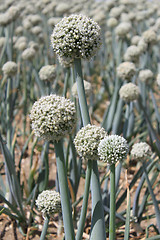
(81, 92)
(64, 191)
(112, 149)
(112, 203)
(52, 118)
(98, 224)
(45, 227)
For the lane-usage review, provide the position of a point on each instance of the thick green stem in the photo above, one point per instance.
(45, 227)
(155, 203)
(98, 226)
(9, 114)
(81, 92)
(64, 192)
(112, 203)
(98, 223)
(85, 202)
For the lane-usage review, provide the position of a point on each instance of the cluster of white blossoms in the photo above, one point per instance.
(150, 36)
(135, 40)
(132, 54)
(87, 88)
(122, 29)
(76, 36)
(48, 73)
(142, 45)
(53, 117)
(28, 54)
(129, 92)
(87, 141)
(145, 75)
(112, 22)
(141, 150)
(49, 202)
(126, 70)
(112, 149)
(9, 68)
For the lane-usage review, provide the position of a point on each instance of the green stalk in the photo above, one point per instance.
(64, 192)
(45, 227)
(85, 201)
(112, 203)
(98, 223)
(98, 226)
(25, 101)
(157, 211)
(81, 92)
(8, 114)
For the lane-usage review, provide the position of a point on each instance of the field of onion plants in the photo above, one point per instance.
(79, 119)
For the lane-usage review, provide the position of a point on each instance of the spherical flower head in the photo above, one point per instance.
(145, 75)
(112, 22)
(9, 68)
(28, 54)
(53, 117)
(135, 40)
(141, 151)
(116, 11)
(48, 73)
(150, 36)
(76, 36)
(87, 88)
(126, 70)
(112, 149)
(129, 92)
(36, 30)
(122, 29)
(49, 202)
(132, 54)
(87, 141)
(21, 46)
(13, 13)
(62, 8)
(142, 45)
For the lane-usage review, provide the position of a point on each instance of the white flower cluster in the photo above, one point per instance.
(135, 39)
(9, 68)
(112, 22)
(132, 54)
(28, 54)
(48, 73)
(150, 36)
(129, 92)
(49, 202)
(145, 75)
(87, 141)
(53, 117)
(142, 45)
(126, 70)
(87, 88)
(141, 150)
(122, 29)
(112, 149)
(10, 15)
(76, 36)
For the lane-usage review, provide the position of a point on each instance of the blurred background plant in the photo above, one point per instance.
(122, 96)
